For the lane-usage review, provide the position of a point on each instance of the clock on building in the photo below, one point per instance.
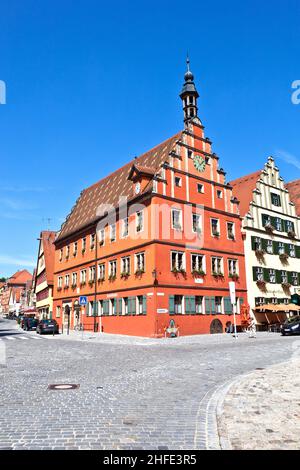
(199, 163)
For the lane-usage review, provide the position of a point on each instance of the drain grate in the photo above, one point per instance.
(63, 386)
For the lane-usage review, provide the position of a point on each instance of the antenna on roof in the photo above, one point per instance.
(48, 221)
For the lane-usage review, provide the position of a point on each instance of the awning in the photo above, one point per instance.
(278, 307)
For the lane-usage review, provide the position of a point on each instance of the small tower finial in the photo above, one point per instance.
(189, 94)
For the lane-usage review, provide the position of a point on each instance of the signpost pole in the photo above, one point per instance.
(233, 303)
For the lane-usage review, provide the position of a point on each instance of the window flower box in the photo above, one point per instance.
(83, 283)
(198, 272)
(217, 274)
(285, 285)
(231, 236)
(139, 272)
(269, 228)
(216, 233)
(177, 227)
(112, 277)
(291, 234)
(59, 289)
(261, 284)
(73, 286)
(83, 250)
(124, 275)
(283, 257)
(101, 279)
(234, 276)
(91, 282)
(260, 253)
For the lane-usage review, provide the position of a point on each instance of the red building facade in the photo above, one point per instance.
(157, 240)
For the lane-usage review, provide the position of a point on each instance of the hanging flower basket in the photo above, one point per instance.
(260, 253)
(283, 257)
(269, 228)
(291, 234)
(285, 285)
(261, 284)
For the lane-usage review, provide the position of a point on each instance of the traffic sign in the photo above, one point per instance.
(82, 300)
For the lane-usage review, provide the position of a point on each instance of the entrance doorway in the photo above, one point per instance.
(216, 327)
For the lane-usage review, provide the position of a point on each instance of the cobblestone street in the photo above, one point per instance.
(133, 393)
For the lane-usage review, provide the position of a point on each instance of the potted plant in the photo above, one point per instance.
(291, 234)
(216, 233)
(139, 272)
(285, 285)
(261, 284)
(198, 272)
(112, 277)
(124, 275)
(269, 228)
(234, 276)
(260, 253)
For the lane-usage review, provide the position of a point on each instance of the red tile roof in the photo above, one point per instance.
(294, 190)
(242, 189)
(20, 277)
(111, 188)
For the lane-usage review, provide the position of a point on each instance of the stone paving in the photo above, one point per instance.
(262, 411)
(133, 393)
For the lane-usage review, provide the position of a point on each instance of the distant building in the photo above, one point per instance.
(43, 280)
(11, 292)
(271, 241)
(168, 256)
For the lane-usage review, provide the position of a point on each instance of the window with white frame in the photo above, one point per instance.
(177, 261)
(74, 279)
(59, 282)
(92, 274)
(199, 304)
(198, 263)
(125, 300)
(257, 243)
(113, 268)
(125, 265)
(275, 199)
(154, 186)
(101, 271)
(67, 280)
(230, 230)
(139, 221)
(289, 226)
(284, 277)
(75, 248)
(281, 249)
(178, 304)
(101, 237)
(292, 251)
(217, 265)
(92, 241)
(200, 188)
(67, 251)
(215, 227)
(278, 224)
(272, 276)
(140, 304)
(259, 274)
(269, 247)
(58, 311)
(219, 194)
(140, 262)
(233, 267)
(295, 280)
(125, 227)
(83, 276)
(218, 304)
(83, 245)
(178, 181)
(60, 254)
(196, 223)
(177, 219)
(112, 231)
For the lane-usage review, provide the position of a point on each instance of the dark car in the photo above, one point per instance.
(47, 326)
(30, 324)
(291, 326)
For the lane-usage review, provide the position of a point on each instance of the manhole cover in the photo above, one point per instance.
(63, 386)
(259, 368)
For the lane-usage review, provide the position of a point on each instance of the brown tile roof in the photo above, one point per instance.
(294, 190)
(20, 277)
(242, 189)
(111, 188)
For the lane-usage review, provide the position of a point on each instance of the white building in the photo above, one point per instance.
(271, 232)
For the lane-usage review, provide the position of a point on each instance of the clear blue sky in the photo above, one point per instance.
(91, 84)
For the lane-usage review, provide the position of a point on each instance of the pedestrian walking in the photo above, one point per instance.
(252, 329)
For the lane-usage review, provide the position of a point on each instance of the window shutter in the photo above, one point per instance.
(213, 305)
(276, 248)
(264, 218)
(144, 304)
(266, 275)
(273, 221)
(227, 305)
(105, 307)
(171, 304)
(192, 304)
(133, 305)
(115, 306)
(120, 305)
(278, 276)
(290, 277)
(285, 225)
(293, 226)
(287, 248)
(254, 273)
(208, 305)
(264, 244)
(253, 242)
(187, 304)
(297, 251)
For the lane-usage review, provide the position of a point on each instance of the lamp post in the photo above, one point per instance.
(233, 303)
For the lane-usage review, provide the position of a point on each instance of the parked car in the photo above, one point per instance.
(291, 327)
(47, 326)
(30, 324)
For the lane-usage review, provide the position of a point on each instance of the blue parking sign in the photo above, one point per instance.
(82, 300)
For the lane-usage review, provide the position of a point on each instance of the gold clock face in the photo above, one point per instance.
(199, 163)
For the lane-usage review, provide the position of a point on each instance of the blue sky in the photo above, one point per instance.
(91, 84)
